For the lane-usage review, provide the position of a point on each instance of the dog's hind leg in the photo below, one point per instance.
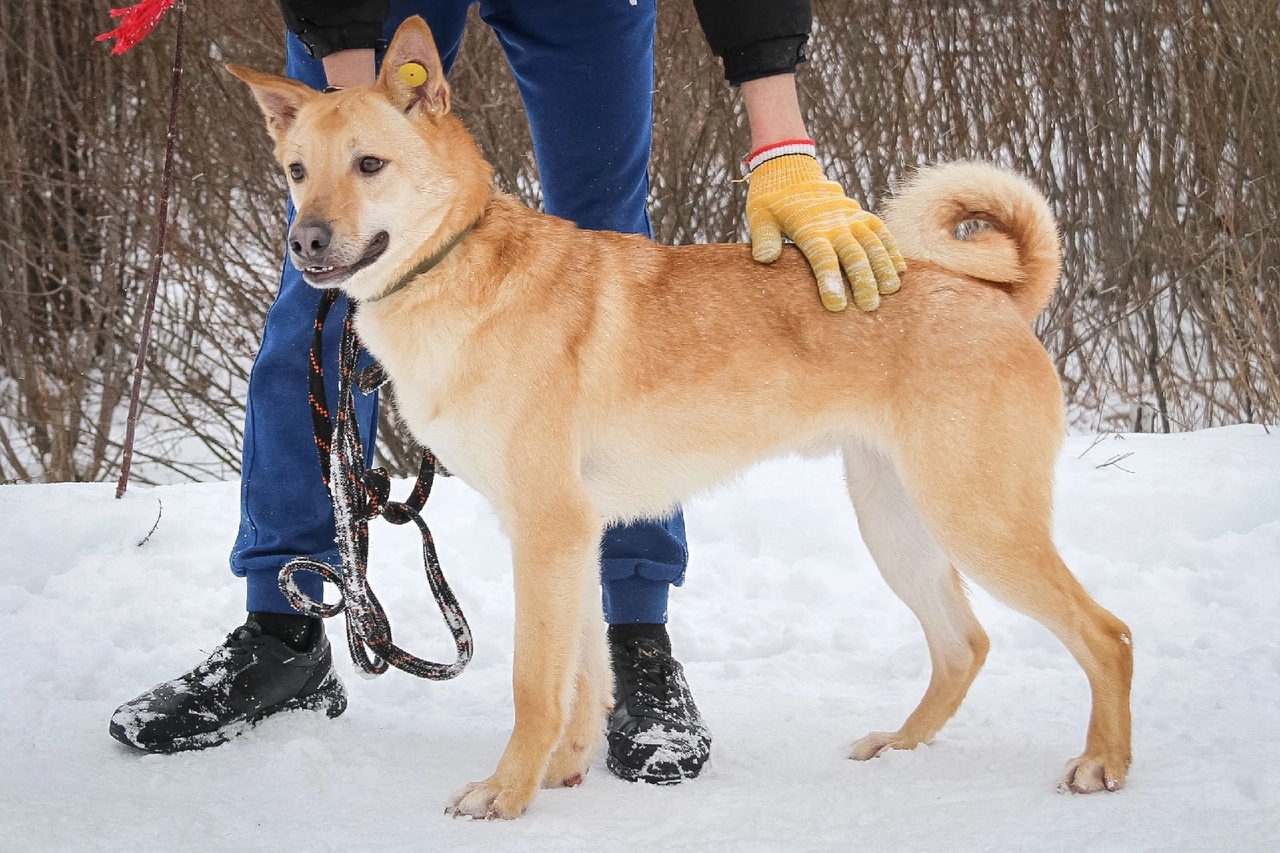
(915, 568)
(1028, 575)
(985, 490)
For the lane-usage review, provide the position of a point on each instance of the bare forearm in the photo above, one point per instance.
(348, 68)
(773, 110)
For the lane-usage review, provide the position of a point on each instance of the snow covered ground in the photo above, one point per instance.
(793, 645)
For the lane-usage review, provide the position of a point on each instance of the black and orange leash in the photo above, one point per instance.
(360, 494)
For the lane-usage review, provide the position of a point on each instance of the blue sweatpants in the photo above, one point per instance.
(585, 72)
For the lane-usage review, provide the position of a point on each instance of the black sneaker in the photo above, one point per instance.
(655, 732)
(247, 679)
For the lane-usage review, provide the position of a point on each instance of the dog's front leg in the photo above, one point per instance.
(592, 696)
(555, 551)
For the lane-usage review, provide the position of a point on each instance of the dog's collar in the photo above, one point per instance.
(426, 264)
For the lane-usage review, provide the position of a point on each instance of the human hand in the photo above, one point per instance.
(790, 196)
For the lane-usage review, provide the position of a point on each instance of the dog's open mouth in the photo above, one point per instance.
(317, 274)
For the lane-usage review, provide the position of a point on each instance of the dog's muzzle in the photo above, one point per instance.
(311, 250)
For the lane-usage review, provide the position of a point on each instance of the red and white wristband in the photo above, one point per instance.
(781, 149)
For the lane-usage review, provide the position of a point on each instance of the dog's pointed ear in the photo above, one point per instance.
(279, 97)
(412, 76)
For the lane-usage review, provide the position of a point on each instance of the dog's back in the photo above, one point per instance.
(693, 361)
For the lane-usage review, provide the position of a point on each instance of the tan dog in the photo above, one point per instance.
(574, 378)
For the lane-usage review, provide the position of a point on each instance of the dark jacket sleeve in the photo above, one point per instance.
(755, 38)
(326, 26)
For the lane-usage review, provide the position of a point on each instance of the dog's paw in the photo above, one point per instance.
(489, 800)
(1089, 774)
(561, 780)
(568, 767)
(878, 742)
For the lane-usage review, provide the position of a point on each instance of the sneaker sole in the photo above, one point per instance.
(663, 774)
(330, 697)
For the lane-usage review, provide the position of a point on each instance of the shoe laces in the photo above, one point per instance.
(243, 640)
(648, 672)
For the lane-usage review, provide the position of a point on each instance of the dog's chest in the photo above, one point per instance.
(469, 449)
(423, 366)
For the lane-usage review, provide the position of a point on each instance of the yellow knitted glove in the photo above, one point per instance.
(790, 196)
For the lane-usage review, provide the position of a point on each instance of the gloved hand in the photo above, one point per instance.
(790, 196)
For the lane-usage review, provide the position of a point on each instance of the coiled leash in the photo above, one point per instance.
(360, 494)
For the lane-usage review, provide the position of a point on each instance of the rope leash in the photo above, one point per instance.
(360, 494)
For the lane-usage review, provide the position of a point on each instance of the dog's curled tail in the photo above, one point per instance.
(1020, 248)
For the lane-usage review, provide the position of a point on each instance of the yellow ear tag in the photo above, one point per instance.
(413, 74)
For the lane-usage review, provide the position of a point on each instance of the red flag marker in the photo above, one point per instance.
(136, 22)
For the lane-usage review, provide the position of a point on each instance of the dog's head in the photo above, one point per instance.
(380, 175)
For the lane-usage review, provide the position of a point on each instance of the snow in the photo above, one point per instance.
(793, 646)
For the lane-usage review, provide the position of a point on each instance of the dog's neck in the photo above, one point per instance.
(426, 264)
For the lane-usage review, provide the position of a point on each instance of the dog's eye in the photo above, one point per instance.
(296, 171)
(371, 165)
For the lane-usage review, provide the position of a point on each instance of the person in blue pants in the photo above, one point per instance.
(586, 75)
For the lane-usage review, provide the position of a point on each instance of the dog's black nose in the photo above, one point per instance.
(308, 241)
